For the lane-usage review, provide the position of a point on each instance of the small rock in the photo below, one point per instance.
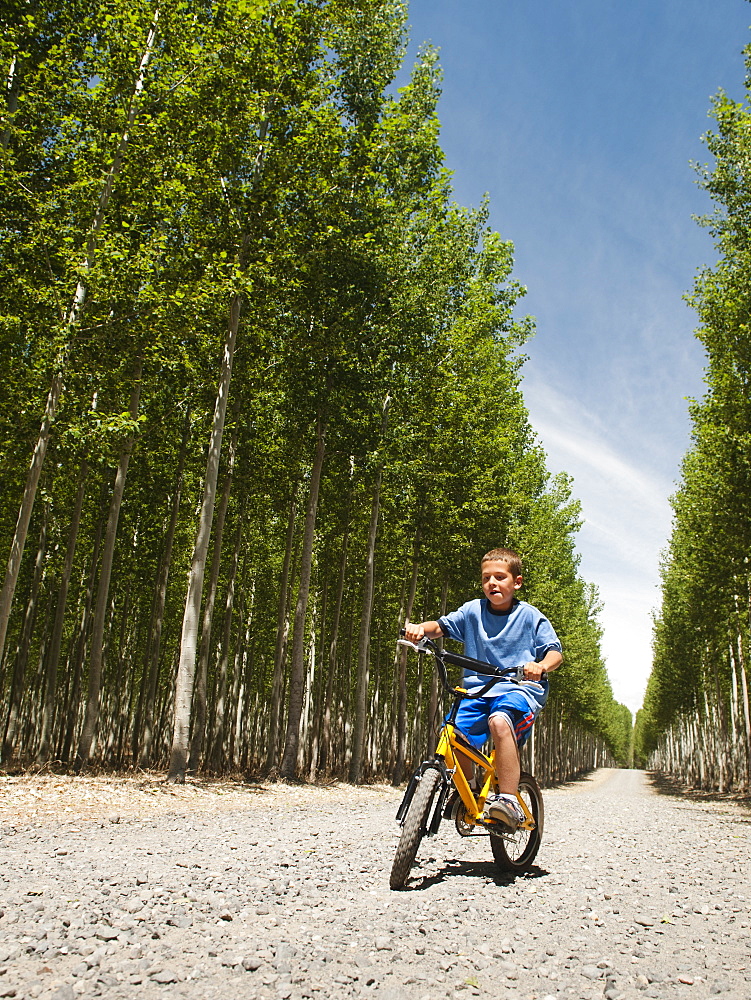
(164, 976)
(251, 962)
(65, 992)
(591, 972)
(107, 934)
(231, 960)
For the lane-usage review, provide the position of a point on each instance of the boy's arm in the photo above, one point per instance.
(414, 631)
(550, 661)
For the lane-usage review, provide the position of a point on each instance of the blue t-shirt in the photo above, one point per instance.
(504, 638)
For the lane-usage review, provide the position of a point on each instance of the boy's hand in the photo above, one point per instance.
(533, 672)
(413, 631)
(550, 661)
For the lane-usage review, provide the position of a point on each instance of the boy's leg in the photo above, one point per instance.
(504, 807)
(466, 765)
(507, 765)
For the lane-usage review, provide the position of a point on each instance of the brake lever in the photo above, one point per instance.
(417, 646)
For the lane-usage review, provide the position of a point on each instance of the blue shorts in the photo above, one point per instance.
(474, 713)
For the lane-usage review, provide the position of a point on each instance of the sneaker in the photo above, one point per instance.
(506, 811)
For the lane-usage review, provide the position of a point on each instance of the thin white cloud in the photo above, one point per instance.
(576, 442)
(627, 520)
(619, 480)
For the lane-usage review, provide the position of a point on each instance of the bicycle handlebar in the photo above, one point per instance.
(442, 656)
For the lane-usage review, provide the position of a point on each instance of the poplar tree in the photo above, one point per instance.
(696, 721)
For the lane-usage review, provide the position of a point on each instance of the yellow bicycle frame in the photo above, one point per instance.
(448, 747)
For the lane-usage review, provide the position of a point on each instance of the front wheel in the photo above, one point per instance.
(516, 852)
(414, 828)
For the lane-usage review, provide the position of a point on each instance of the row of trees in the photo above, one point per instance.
(696, 722)
(261, 397)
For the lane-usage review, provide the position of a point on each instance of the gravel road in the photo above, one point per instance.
(120, 889)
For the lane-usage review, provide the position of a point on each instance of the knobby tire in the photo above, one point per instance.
(415, 825)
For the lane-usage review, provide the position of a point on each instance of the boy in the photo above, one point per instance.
(506, 632)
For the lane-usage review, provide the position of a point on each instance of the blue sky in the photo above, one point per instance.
(580, 119)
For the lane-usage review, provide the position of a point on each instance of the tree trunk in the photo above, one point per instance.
(204, 652)
(79, 647)
(244, 623)
(113, 716)
(297, 672)
(401, 723)
(282, 629)
(188, 642)
(325, 755)
(318, 691)
(217, 742)
(151, 671)
(746, 712)
(103, 588)
(53, 658)
(363, 646)
(22, 654)
(434, 702)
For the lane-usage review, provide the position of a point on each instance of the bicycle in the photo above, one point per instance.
(439, 789)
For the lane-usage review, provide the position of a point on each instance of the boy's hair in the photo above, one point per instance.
(511, 558)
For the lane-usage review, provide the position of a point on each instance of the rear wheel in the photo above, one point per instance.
(414, 828)
(516, 852)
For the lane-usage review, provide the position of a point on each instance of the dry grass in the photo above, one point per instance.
(47, 798)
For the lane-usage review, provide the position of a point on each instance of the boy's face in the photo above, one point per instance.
(498, 584)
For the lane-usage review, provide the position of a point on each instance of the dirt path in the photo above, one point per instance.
(129, 889)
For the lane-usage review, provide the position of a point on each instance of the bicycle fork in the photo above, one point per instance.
(439, 804)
